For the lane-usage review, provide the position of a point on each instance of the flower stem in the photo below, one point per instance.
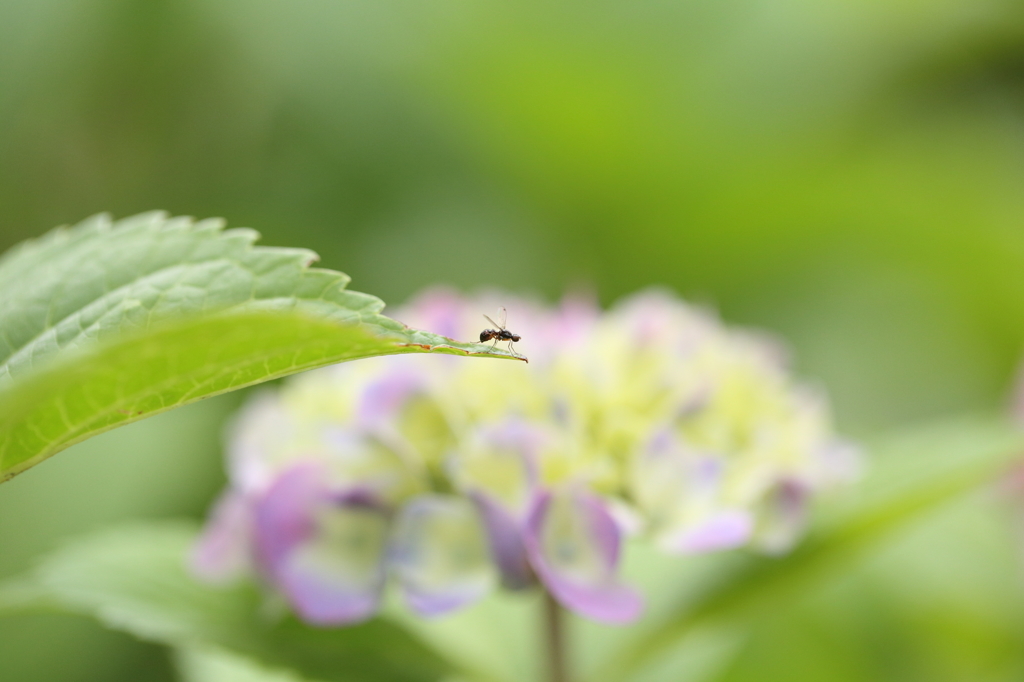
(555, 635)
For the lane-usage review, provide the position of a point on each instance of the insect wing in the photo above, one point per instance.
(496, 325)
(502, 317)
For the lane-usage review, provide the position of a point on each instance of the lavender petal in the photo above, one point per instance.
(507, 544)
(223, 551)
(323, 550)
(439, 554)
(574, 544)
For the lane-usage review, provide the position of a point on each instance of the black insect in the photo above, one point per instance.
(500, 334)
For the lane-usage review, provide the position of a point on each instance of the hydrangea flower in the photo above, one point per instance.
(451, 476)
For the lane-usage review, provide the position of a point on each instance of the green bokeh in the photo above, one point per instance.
(846, 173)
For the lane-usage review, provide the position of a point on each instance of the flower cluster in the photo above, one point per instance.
(449, 475)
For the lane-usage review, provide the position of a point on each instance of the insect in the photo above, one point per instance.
(500, 334)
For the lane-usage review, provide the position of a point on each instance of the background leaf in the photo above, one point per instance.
(207, 664)
(135, 580)
(105, 323)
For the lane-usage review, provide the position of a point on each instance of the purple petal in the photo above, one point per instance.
(573, 543)
(400, 413)
(679, 491)
(567, 327)
(438, 310)
(501, 461)
(578, 314)
(724, 530)
(323, 550)
(671, 476)
(498, 471)
(520, 439)
(260, 439)
(359, 460)
(223, 551)
(508, 546)
(783, 517)
(657, 319)
(439, 554)
(382, 399)
(838, 462)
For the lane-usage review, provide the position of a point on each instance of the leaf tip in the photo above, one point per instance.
(452, 349)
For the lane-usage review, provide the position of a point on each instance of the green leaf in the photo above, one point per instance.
(915, 475)
(134, 579)
(105, 323)
(208, 664)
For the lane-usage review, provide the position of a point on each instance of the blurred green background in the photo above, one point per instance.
(846, 173)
